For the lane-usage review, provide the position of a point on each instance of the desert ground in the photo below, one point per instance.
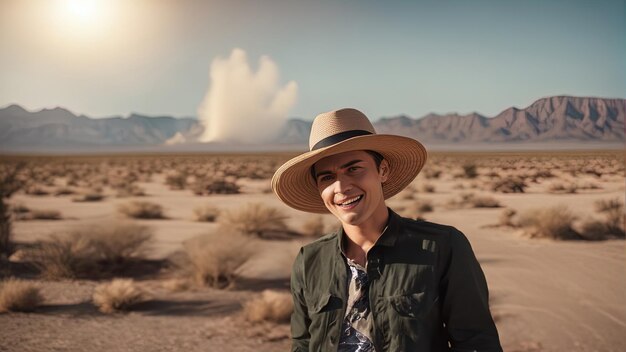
(547, 228)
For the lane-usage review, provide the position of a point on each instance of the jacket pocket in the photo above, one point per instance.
(413, 305)
(324, 311)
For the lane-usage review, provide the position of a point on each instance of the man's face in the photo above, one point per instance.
(350, 185)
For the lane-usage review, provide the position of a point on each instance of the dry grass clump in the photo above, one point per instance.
(427, 188)
(64, 191)
(117, 295)
(469, 170)
(19, 296)
(273, 306)
(141, 210)
(613, 224)
(471, 200)
(88, 197)
(255, 219)
(90, 250)
(129, 190)
(562, 187)
(554, 223)
(416, 209)
(214, 259)
(208, 186)
(506, 218)
(313, 226)
(41, 214)
(176, 180)
(206, 213)
(510, 184)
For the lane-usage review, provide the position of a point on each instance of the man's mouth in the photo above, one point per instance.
(350, 202)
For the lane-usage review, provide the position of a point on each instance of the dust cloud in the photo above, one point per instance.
(244, 106)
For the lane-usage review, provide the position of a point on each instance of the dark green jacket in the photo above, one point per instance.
(427, 292)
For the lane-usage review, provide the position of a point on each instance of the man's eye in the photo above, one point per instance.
(325, 178)
(353, 168)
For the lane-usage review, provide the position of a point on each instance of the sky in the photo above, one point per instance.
(299, 58)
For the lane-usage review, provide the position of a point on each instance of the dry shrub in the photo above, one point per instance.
(141, 210)
(273, 306)
(469, 170)
(506, 217)
(117, 295)
(129, 190)
(313, 226)
(88, 197)
(63, 191)
(613, 224)
(220, 186)
(42, 214)
(562, 187)
(19, 296)
(207, 213)
(555, 223)
(471, 200)
(176, 180)
(417, 209)
(510, 184)
(90, 250)
(255, 219)
(427, 188)
(215, 259)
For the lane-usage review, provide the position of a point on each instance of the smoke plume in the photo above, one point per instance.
(242, 105)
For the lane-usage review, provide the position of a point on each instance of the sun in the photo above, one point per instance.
(83, 13)
(82, 10)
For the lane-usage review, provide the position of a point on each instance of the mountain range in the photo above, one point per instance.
(547, 120)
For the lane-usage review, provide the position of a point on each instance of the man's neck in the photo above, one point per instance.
(362, 237)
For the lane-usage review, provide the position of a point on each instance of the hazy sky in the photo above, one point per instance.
(383, 57)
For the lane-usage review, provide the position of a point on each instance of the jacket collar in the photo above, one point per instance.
(387, 239)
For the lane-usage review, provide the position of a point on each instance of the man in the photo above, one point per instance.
(382, 282)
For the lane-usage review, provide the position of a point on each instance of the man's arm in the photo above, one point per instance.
(466, 300)
(299, 318)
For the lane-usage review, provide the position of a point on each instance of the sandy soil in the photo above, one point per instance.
(545, 295)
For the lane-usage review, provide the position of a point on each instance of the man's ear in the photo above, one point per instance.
(383, 170)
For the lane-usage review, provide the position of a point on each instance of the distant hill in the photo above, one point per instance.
(547, 120)
(559, 118)
(61, 128)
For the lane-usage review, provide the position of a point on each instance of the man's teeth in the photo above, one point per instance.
(350, 201)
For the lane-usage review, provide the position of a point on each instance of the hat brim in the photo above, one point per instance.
(295, 186)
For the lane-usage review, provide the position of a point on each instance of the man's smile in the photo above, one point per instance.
(350, 202)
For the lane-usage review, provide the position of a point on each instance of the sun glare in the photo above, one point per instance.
(82, 10)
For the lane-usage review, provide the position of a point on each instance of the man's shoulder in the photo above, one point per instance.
(426, 227)
(326, 241)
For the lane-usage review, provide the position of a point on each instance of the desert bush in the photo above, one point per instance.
(313, 226)
(273, 306)
(207, 213)
(214, 259)
(129, 190)
(613, 211)
(555, 223)
(471, 200)
(205, 187)
(10, 183)
(88, 197)
(469, 170)
(255, 219)
(431, 173)
(63, 191)
(117, 295)
(427, 188)
(506, 217)
(90, 250)
(43, 214)
(141, 210)
(510, 184)
(19, 296)
(561, 187)
(36, 191)
(416, 209)
(176, 180)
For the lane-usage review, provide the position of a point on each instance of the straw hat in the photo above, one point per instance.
(341, 131)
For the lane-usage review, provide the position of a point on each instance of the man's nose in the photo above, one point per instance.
(342, 184)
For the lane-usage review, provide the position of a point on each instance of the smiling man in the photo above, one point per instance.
(382, 282)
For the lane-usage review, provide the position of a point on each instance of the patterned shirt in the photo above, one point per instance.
(357, 324)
